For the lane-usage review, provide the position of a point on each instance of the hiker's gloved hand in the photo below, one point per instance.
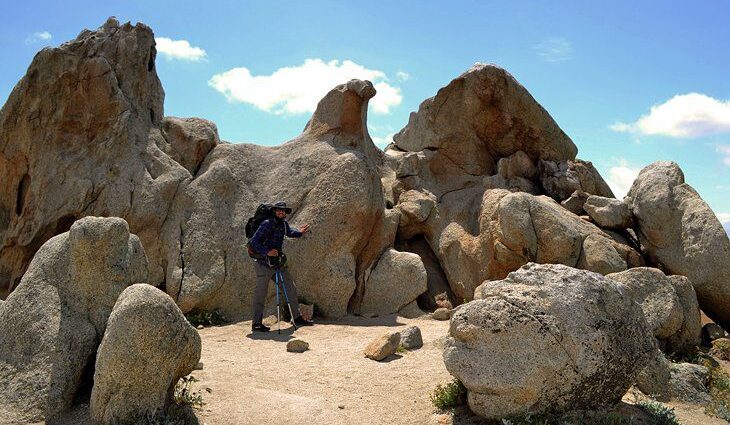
(304, 229)
(273, 253)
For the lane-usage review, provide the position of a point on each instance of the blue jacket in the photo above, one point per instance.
(270, 235)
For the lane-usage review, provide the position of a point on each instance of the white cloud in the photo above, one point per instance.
(384, 141)
(298, 89)
(403, 76)
(724, 151)
(179, 49)
(682, 116)
(38, 37)
(555, 49)
(724, 218)
(621, 177)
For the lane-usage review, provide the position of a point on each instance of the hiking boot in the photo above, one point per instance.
(300, 321)
(259, 327)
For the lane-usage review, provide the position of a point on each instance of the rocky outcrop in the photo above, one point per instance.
(147, 346)
(329, 176)
(548, 338)
(560, 179)
(52, 324)
(669, 305)
(80, 135)
(679, 231)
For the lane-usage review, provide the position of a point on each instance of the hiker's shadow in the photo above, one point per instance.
(273, 335)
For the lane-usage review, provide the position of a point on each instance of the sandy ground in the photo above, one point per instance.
(254, 380)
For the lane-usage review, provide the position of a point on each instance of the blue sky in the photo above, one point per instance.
(629, 82)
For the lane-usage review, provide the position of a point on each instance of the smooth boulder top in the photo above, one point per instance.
(147, 347)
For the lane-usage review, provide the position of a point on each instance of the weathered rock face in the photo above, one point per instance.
(397, 280)
(51, 325)
(608, 212)
(329, 176)
(548, 338)
(680, 231)
(481, 137)
(96, 103)
(148, 345)
(669, 305)
(382, 346)
(80, 135)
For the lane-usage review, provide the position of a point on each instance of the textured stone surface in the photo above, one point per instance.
(441, 313)
(297, 345)
(689, 383)
(328, 175)
(560, 179)
(680, 231)
(410, 338)
(397, 280)
(51, 325)
(608, 212)
(382, 346)
(148, 345)
(654, 379)
(547, 338)
(80, 135)
(669, 305)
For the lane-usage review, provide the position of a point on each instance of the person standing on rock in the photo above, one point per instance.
(267, 242)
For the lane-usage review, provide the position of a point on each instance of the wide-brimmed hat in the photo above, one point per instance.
(281, 205)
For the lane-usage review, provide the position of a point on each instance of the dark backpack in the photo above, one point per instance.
(263, 212)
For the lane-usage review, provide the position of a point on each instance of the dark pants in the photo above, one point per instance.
(263, 275)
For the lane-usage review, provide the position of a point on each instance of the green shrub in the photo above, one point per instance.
(401, 349)
(184, 395)
(449, 396)
(720, 392)
(660, 414)
(206, 318)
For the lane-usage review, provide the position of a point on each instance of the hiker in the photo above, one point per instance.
(266, 245)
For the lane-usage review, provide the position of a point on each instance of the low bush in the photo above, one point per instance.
(206, 318)
(449, 396)
(184, 395)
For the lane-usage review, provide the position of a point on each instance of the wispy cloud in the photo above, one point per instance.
(403, 76)
(298, 89)
(621, 177)
(38, 37)
(179, 49)
(555, 49)
(724, 151)
(683, 116)
(383, 141)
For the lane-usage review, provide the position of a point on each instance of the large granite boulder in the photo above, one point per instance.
(480, 138)
(397, 280)
(548, 338)
(679, 231)
(328, 175)
(669, 304)
(147, 346)
(52, 324)
(80, 135)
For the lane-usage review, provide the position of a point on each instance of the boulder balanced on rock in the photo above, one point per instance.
(680, 231)
(51, 325)
(148, 345)
(548, 338)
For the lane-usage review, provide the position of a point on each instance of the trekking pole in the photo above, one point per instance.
(286, 297)
(278, 314)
